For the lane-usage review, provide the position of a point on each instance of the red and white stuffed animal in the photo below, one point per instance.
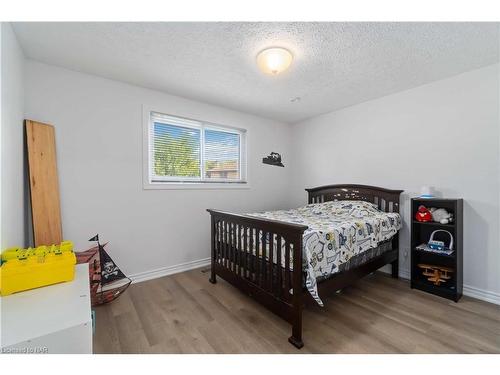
(423, 214)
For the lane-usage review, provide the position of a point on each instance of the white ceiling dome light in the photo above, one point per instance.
(274, 60)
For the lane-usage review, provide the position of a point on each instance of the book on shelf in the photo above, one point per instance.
(425, 247)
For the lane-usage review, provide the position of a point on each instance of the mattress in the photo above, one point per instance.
(338, 231)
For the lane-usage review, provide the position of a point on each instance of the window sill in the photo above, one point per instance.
(194, 186)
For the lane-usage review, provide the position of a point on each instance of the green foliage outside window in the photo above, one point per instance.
(176, 156)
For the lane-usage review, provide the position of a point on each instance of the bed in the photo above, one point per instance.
(286, 259)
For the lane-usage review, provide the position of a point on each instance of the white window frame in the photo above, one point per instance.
(167, 182)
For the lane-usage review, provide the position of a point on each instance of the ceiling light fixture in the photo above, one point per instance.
(274, 60)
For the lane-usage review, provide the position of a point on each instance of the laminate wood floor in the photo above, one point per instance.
(184, 313)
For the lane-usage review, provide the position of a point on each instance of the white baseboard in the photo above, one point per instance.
(483, 295)
(165, 271)
(404, 274)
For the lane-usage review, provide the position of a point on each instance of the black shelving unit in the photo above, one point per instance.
(421, 232)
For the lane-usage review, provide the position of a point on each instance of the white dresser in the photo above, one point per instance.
(52, 319)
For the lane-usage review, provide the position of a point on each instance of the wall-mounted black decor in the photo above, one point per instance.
(273, 159)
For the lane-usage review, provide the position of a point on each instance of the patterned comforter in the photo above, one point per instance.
(337, 231)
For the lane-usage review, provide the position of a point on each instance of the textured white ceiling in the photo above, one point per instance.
(336, 64)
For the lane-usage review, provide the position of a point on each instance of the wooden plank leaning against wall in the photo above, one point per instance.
(43, 183)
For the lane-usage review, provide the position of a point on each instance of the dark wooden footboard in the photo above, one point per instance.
(248, 253)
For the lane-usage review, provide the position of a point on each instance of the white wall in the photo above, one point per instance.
(99, 153)
(444, 134)
(12, 164)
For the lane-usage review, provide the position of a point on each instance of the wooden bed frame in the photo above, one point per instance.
(279, 288)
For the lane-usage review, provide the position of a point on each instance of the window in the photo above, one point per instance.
(182, 150)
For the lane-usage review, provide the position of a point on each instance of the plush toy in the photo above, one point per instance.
(423, 214)
(440, 215)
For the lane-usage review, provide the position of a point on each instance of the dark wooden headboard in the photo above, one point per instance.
(386, 199)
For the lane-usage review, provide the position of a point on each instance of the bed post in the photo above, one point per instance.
(213, 278)
(395, 241)
(297, 303)
(395, 263)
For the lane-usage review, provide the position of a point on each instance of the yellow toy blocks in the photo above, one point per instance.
(24, 269)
